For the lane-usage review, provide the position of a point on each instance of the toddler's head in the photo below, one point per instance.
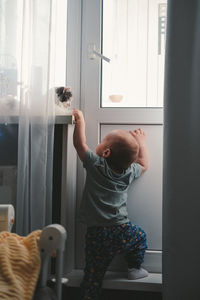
(119, 148)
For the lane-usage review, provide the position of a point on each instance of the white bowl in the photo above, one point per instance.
(116, 98)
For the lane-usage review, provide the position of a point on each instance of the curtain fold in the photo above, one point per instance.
(181, 186)
(36, 117)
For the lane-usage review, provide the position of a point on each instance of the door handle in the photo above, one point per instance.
(92, 53)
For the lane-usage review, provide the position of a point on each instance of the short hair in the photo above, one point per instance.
(123, 154)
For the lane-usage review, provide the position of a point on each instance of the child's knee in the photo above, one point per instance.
(141, 236)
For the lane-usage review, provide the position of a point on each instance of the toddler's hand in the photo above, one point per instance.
(139, 135)
(78, 115)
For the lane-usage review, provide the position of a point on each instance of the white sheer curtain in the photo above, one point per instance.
(36, 116)
(28, 42)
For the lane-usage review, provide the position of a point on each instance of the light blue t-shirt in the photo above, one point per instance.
(104, 200)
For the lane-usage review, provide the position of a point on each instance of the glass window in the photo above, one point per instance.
(134, 39)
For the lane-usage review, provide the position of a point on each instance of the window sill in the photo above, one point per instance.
(119, 281)
(59, 119)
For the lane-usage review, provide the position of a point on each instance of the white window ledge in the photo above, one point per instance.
(119, 281)
(59, 119)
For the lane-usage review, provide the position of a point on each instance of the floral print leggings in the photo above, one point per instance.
(102, 244)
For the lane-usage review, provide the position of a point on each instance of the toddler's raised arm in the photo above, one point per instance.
(79, 138)
(140, 137)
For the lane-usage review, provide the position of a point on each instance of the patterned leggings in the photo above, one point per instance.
(102, 244)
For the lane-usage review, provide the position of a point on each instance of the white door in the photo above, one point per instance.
(131, 33)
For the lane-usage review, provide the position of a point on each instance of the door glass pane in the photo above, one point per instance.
(134, 39)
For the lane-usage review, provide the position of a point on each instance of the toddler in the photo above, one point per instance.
(120, 158)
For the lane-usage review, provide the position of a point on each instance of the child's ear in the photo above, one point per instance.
(106, 153)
